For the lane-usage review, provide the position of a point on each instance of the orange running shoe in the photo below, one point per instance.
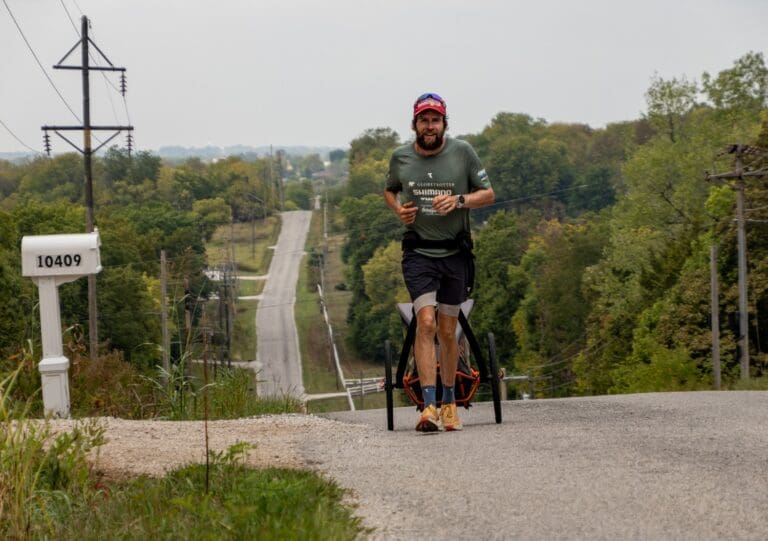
(449, 417)
(429, 421)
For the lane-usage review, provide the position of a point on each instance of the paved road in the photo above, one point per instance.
(653, 466)
(278, 360)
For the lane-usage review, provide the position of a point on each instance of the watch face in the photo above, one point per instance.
(461, 201)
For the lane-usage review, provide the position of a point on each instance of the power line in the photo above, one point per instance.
(78, 7)
(19, 140)
(38, 60)
(69, 17)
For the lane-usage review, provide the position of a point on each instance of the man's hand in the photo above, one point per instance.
(443, 204)
(407, 212)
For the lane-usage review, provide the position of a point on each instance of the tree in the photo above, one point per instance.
(498, 246)
(337, 155)
(549, 321)
(211, 213)
(367, 177)
(16, 317)
(384, 286)
(669, 102)
(57, 178)
(300, 193)
(311, 164)
(376, 144)
(369, 224)
(744, 86)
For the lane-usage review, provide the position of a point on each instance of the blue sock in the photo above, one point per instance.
(448, 394)
(429, 393)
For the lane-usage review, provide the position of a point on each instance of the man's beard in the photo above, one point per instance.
(434, 145)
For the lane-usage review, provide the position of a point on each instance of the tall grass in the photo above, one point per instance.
(40, 472)
(231, 394)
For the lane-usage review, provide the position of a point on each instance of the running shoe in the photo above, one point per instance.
(449, 417)
(429, 421)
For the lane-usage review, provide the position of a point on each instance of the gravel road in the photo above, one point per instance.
(652, 466)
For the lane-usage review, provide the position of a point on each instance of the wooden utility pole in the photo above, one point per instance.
(738, 175)
(715, 314)
(87, 151)
(164, 311)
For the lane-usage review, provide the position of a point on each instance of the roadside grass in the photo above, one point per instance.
(251, 245)
(318, 367)
(247, 288)
(751, 384)
(241, 503)
(231, 394)
(244, 339)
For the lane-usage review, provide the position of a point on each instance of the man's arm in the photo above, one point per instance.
(406, 212)
(480, 198)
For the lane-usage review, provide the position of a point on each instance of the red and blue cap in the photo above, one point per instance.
(429, 101)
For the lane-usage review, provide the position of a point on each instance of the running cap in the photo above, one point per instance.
(430, 100)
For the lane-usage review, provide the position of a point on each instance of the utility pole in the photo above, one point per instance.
(738, 175)
(715, 314)
(164, 312)
(87, 151)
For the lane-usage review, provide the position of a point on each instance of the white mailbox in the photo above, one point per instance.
(52, 260)
(61, 255)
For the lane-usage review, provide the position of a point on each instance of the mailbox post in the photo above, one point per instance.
(52, 260)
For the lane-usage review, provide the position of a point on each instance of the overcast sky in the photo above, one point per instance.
(287, 72)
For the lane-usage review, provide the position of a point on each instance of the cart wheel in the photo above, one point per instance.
(388, 387)
(494, 377)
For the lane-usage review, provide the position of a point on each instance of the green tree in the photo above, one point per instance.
(669, 102)
(337, 155)
(384, 286)
(369, 224)
(311, 164)
(498, 246)
(300, 193)
(57, 178)
(744, 86)
(550, 320)
(367, 177)
(375, 144)
(210, 214)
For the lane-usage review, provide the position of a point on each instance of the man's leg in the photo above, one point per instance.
(449, 347)
(449, 362)
(424, 345)
(426, 361)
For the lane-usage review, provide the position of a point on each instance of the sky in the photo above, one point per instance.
(302, 72)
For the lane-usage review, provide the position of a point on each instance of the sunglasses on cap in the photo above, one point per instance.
(430, 95)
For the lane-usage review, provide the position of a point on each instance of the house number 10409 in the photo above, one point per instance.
(66, 260)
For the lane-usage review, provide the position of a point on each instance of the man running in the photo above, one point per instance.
(431, 185)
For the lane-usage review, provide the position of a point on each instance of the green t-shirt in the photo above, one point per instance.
(456, 170)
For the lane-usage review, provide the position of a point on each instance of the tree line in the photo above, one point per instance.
(593, 265)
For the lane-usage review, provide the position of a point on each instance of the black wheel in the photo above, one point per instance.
(494, 381)
(388, 386)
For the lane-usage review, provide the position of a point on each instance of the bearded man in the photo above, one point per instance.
(431, 185)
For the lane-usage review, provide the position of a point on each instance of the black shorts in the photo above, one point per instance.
(446, 275)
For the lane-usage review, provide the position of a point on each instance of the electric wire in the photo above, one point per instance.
(69, 17)
(34, 54)
(17, 138)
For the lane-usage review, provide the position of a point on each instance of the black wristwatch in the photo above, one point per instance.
(460, 201)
